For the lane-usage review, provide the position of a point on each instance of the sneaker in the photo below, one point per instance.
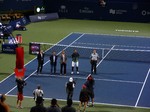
(71, 72)
(21, 107)
(77, 72)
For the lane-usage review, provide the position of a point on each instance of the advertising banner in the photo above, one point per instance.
(113, 10)
(34, 48)
(43, 17)
(9, 48)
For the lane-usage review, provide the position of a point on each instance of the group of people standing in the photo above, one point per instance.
(63, 62)
(86, 93)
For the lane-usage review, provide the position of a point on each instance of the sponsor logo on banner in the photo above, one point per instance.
(145, 13)
(41, 17)
(63, 9)
(34, 48)
(86, 10)
(117, 11)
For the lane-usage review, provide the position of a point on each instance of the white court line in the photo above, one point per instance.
(108, 104)
(47, 61)
(97, 79)
(112, 35)
(142, 88)
(97, 44)
(105, 56)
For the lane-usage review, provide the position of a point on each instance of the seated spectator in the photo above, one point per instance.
(68, 107)
(54, 106)
(39, 106)
(84, 98)
(3, 106)
(19, 27)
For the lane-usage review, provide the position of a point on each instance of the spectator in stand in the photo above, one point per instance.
(70, 88)
(20, 85)
(39, 106)
(54, 106)
(3, 106)
(83, 98)
(63, 62)
(68, 107)
(102, 3)
(38, 93)
(90, 87)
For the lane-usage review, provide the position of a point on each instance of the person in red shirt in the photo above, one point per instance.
(20, 85)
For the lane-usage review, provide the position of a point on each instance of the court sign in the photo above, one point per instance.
(34, 48)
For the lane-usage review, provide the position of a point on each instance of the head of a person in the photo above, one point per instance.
(75, 51)
(63, 52)
(19, 78)
(41, 51)
(54, 53)
(38, 87)
(53, 102)
(70, 79)
(89, 77)
(2, 98)
(69, 102)
(39, 100)
(94, 51)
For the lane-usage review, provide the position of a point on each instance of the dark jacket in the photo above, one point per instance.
(53, 62)
(40, 58)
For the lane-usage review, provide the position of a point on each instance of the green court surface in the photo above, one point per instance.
(52, 32)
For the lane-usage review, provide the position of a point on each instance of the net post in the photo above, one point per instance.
(103, 52)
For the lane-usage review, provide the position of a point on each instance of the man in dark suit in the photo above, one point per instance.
(53, 62)
(63, 62)
(40, 58)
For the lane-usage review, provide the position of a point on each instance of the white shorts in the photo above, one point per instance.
(75, 64)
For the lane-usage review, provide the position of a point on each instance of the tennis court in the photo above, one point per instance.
(122, 73)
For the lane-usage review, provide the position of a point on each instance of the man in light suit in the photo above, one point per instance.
(63, 62)
(53, 62)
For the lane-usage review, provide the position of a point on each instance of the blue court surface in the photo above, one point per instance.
(122, 73)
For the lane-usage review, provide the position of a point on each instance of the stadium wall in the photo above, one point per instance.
(116, 10)
(19, 5)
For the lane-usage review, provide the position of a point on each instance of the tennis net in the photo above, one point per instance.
(109, 53)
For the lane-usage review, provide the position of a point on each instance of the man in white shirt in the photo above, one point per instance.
(94, 58)
(38, 93)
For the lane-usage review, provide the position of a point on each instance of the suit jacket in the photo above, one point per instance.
(61, 59)
(52, 61)
(40, 58)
